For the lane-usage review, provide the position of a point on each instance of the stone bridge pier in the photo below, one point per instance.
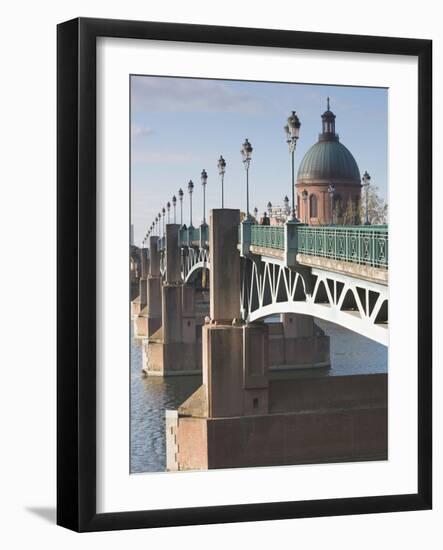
(149, 319)
(139, 302)
(242, 415)
(176, 312)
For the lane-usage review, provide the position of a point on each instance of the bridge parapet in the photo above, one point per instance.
(357, 244)
(194, 236)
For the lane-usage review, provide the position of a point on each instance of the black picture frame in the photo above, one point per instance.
(76, 265)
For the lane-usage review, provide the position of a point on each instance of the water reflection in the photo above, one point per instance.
(150, 396)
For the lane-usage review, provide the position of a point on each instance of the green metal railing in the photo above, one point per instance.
(358, 244)
(362, 244)
(268, 236)
(189, 236)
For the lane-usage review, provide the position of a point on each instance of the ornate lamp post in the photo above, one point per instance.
(190, 189)
(256, 214)
(286, 203)
(221, 165)
(305, 204)
(292, 131)
(331, 191)
(366, 179)
(180, 196)
(174, 204)
(269, 207)
(157, 229)
(204, 180)
(163, 212)
(168, 206)
(246, 152)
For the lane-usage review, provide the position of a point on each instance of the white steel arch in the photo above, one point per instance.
(194, 260)
(269, 288)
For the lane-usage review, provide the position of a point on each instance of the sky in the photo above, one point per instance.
(180, 126)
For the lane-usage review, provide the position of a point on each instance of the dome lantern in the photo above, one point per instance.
(328, 121)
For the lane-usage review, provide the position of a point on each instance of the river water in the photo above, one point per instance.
(150, 396)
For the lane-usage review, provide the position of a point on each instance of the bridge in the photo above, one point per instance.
(335, 273)
(204, 293)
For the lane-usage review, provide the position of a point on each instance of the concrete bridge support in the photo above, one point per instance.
(174, 347)
(139, 302)
(241, 416)
(296, 341)
(149, 319)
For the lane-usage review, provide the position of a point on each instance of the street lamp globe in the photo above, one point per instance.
(293, 127)
(246, 152)
(221, 165)
(204, 177)
(366, 179)
(190, 189)
(174, 204)
(180, 196)
(204, 180)
(331, 191)
(286, 203)
(292, 131)
(305, 201)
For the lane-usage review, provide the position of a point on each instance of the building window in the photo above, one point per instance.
(313, 206)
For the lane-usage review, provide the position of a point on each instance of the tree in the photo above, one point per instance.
(377, 207)
(347, 213)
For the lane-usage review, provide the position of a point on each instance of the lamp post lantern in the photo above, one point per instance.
(168, 206)
(366, 179)
(204, 180)
(246, 152)
(331, 191)
(163, 212)
(221, 165)
(305, 204)
(292, 131)
(286, 208)
(174, 204)
(269, 207)
(180, 196)
(190, 189)
(256, 214)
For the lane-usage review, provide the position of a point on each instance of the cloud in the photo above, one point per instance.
(191, 95)
(166, 157)
(139, 131)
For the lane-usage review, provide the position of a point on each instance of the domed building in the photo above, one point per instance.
(328, 180)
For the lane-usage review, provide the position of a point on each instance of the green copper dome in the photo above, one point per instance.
(328, 160)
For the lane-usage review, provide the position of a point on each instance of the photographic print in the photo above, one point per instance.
(258, 274)
(227, 299)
